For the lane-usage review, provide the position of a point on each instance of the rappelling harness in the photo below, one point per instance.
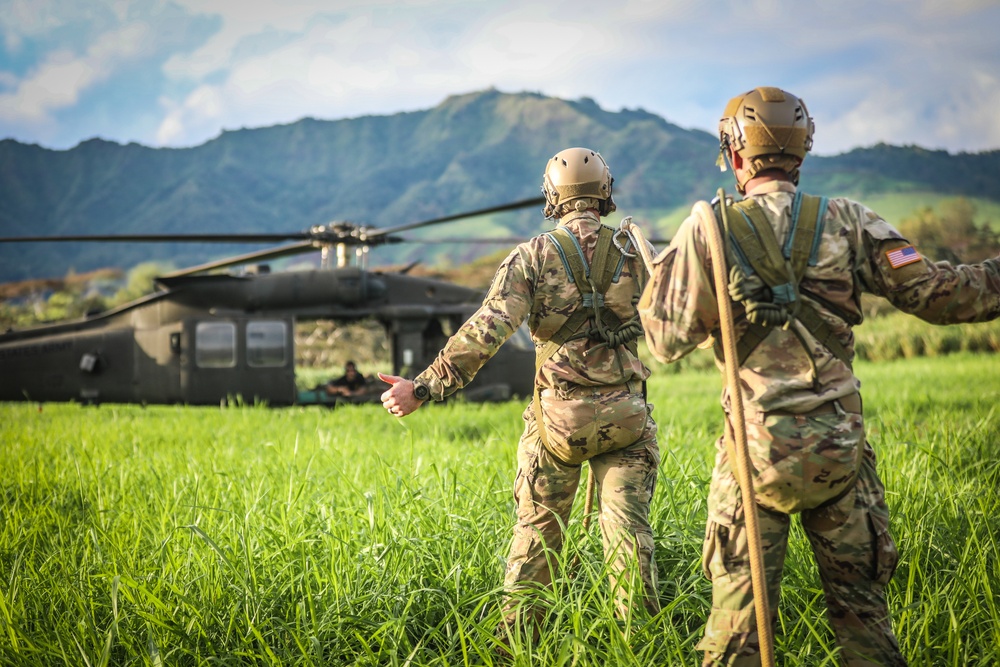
(756, 251)
(593, 281)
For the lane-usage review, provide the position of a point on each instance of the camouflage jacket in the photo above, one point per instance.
(532, 284)
(679, 309)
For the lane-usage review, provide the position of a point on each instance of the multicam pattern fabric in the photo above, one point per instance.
(591, 398)
(679, 311)
(803, 462)
(587, 422)
(532, 284)
(544, 489)
(854, 552)
(801, 440)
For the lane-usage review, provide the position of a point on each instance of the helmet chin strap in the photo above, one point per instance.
(723, 158)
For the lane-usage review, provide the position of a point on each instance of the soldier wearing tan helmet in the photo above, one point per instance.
(797, 267)
(577, 291)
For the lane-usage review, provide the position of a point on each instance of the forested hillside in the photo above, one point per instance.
(471, 151)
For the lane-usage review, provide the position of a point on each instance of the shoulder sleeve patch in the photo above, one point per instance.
(900, 263)
(899, 257)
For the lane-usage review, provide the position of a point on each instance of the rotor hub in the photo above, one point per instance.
(346, 233)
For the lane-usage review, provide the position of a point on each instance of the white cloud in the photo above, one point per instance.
(331, 68)
(204, 103)
(943, 112)
(25, 18)
(239, 22)
(63, 76)
(898, 71)
(374, 62)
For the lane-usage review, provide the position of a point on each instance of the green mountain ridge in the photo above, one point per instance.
(471, 151)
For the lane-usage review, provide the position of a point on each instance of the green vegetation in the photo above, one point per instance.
(171, 535)
(896, 335)
(951, 233)
(40, 301)
(469, 152)
(898, 207)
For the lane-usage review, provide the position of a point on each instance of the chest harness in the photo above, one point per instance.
(780, 267)
(593, 282)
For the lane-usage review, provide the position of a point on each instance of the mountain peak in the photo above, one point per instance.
(471, 151)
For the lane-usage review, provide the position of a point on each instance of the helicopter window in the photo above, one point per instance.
(521, 339)
(215, 344)
(267, 343)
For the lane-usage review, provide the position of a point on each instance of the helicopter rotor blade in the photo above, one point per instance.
(496, 239)
(524, 203)
(500, 239)
(260, 255)
(324, 234)
(164, 238)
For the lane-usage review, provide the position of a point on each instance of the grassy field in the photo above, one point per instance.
(184, 536)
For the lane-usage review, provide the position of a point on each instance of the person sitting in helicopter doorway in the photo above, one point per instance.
(351, 383)
(589, 402)
(797, 267)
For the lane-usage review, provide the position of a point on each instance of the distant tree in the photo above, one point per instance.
(60, 305)
(140, 281)
(951, 233)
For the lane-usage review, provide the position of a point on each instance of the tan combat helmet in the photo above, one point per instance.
(577, 173)
(769, 128)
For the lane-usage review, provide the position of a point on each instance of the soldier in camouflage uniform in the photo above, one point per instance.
(803, 409)
(589, 389)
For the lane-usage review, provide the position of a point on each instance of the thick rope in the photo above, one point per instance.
(741, 455)
(588, 504)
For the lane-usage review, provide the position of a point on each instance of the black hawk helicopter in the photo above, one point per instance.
(207, 338)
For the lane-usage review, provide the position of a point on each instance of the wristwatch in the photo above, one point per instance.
(421, 391)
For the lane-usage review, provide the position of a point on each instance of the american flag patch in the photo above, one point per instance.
(902, 256)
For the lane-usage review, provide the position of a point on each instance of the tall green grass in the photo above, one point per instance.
(896, 335)
(303, 536)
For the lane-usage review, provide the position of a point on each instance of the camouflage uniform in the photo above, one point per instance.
(584, 384)
(805, 427)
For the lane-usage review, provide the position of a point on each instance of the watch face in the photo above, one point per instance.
(421, 391)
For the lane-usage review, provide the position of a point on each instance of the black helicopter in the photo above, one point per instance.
(207, 338)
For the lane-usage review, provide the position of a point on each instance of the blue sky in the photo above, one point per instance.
(178, 72)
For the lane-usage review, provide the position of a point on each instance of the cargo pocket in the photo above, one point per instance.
(724, 511)
(647, 570)
(524, 482)
(652, 472)
(709, 548)
(886, 556)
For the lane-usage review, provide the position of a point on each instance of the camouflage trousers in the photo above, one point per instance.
(850, 541)
(544, 490)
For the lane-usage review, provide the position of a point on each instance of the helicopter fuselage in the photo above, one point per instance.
(210, 339)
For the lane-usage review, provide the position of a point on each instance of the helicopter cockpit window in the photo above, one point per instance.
(267, 343)
(215, 345)
(522, 339)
